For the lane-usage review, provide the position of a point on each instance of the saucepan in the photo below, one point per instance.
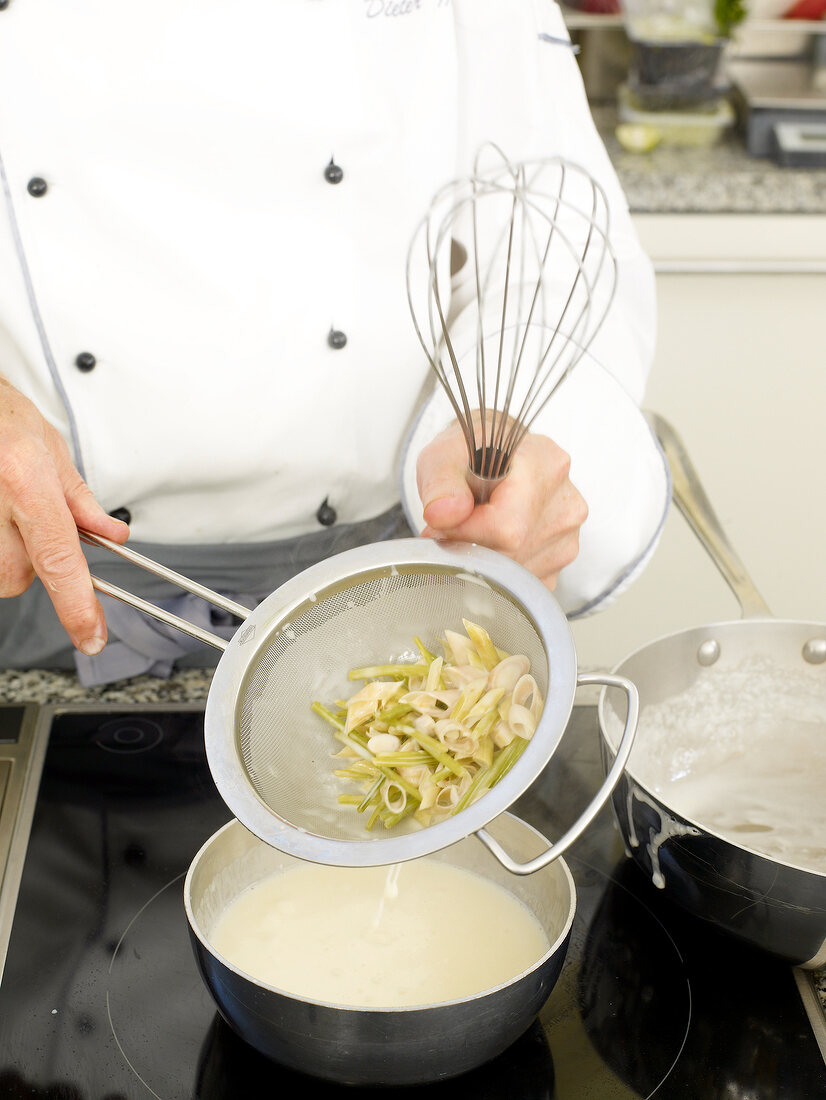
(379, 1046)
(732, 876)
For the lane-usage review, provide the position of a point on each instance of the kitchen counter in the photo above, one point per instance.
(720, 179)
(42, 686)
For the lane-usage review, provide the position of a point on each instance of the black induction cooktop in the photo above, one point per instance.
(101, 998)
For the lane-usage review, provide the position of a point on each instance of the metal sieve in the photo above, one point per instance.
(271, 755)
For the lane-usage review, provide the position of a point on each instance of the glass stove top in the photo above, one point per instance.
(101, 998)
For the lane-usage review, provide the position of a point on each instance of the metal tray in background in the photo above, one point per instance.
(782, 106)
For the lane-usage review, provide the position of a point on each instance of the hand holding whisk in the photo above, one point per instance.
(509, 277)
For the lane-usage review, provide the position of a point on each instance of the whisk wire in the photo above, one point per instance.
(507, 448)
(541, 280)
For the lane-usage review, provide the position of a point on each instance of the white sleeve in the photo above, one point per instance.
(595, 414)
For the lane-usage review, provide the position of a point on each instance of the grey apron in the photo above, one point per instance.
(31, 635)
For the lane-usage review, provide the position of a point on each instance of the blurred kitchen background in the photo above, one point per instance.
(715, 117)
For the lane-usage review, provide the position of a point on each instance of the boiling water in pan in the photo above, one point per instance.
(742, 751)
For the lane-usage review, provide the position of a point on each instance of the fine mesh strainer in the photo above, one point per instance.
(271, 756)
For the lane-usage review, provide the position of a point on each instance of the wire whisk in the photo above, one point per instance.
(510, 275)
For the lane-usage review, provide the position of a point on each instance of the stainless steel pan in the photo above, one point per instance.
(369, 1046)
(777, 906)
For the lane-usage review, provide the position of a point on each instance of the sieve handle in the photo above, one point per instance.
(602, 795)
(170, 575)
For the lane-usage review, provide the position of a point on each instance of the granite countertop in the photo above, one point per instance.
(719, 179)
(43, 686)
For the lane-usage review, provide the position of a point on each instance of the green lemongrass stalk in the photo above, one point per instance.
(507, 757)
(482, 708)
(372, 794)
(390, 820)
(392, 777)
(328, 716)
(478, 785)
(393, 712)
(425, 652)
(392, 805)
(433, 680)
(466, 701)
(403, 759)
(356, 741)
(349, 799)
(358, 747)
(486, 723)
(435, 749)
(374, 816)
(355, 774)
(371, 672)
(484, 646)
(484, 754)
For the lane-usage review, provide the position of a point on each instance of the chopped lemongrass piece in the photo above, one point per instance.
(394, 797)
(351, 773)
(479, 784)
(328, 715)
(393, 777)
(352, 743)
(370, 672)
(507, 757)
(484, 753)
(485, 724)
(434, 675)
(467, 700)
(425, 652)
(384, 742)
(408, 759)
(484, 646)
(438, 753)
(395, 711)
(390, 820)
(483, 705)
(426, 739)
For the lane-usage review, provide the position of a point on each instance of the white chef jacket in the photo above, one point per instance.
(202, 286)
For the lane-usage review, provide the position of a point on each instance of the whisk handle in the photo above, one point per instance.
(482, 487)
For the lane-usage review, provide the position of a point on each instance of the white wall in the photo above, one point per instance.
(740, 372)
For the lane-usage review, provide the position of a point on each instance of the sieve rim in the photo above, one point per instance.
(239, 661)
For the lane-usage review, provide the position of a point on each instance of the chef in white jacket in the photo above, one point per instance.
(204, 328)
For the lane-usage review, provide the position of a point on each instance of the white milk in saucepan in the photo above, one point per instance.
(415, 933)
(743, 753)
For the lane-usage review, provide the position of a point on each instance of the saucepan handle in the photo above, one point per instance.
(170, 575)
(690, 497)
(602, 795)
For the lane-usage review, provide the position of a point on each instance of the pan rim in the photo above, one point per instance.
(707, 629)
